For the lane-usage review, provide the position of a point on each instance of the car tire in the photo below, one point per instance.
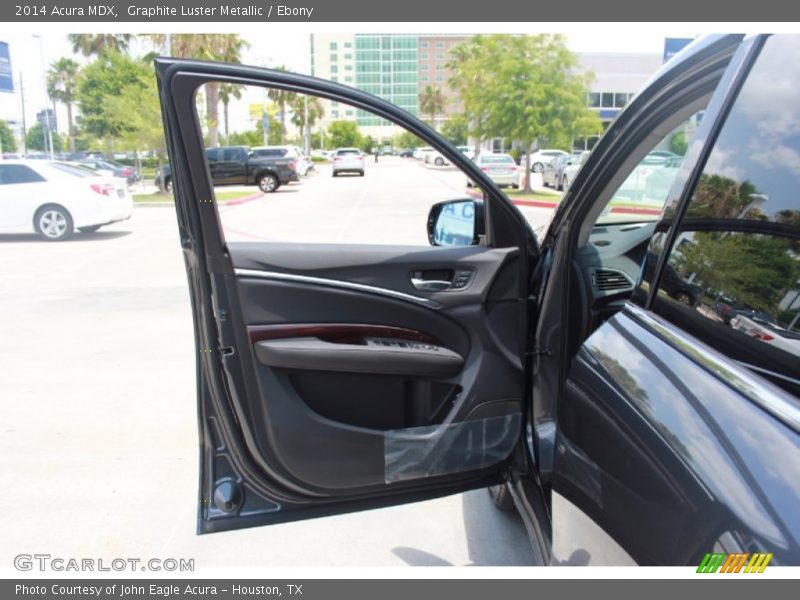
(53, 223)
(89, 228)
(361, 173)
(515, 186)
(268, 183)
(684, 298)
(537, 167)
(168, 185)
(502, 498)
(334, 174)
(439, 162)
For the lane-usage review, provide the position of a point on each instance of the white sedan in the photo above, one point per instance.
(54, 199)
(500, 168)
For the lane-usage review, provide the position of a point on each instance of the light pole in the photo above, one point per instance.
(47, 134)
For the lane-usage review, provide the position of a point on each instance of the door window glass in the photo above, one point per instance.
(733, 273)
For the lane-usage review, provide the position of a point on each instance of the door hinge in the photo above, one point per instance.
(227, 351)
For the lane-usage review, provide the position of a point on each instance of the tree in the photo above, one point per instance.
(89, 44)
(456, 130)
(225, 47)
(431, 102)
(525, 88)
(283, 99)
(302, 104)
(227, 92)
(344, 134)
(406, 139)
(101, 80)
(7, 141)
(61, 86)
(136, 105)
(34, 140)
(678, 143)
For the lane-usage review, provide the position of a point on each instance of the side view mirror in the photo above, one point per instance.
(456, 223)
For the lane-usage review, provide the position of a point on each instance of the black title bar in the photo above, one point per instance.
(199, 11)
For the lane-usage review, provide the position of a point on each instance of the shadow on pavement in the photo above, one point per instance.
(78, 237)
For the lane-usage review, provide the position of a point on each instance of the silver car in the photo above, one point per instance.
(500, 168)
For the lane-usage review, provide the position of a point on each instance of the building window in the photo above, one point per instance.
(423, 56)
(439, 78)
(439, 45)
(348, 56)
(348, 79)
(424, 79)
(334, 78)
(593, 100)
(334, 57)
(333, 45)
(348, 45)
(334, 69)
(424, 67)
(439, 66)
(423, 45)
(620, 100)
(607, 100)
(348, 67)
(440, 56)
(335, 114)
(348, 113)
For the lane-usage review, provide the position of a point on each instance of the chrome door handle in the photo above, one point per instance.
(430, 285)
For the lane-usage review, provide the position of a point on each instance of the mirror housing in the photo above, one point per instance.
(457, 223)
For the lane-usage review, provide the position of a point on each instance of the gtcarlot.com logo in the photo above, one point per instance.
(48, 562)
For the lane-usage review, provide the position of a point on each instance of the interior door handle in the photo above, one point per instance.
(430, 285)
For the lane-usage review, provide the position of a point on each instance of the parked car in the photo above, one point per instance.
(348, 160)
(570, 169)
(767, 331)
(111, 169)
(53, 199)
(235, 165)
(500, 168)
(625, 427)
(540, 158)
(407, 153)
(421, 153)
(551, 175)
(466, 151)
(436, 158)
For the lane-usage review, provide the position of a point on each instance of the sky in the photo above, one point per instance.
(33, 48)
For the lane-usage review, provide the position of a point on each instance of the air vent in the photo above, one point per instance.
(609, 281)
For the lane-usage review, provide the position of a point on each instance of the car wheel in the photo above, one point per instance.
(361, 173)
(335, 174)
(684, 298)
(168, 185)
(268, 183)
(537, 167)
(53, 223)
(439, 162)
(89, 229)
(515, 186)
(502, 498)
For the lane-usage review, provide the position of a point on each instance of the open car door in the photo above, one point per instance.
(337, 377)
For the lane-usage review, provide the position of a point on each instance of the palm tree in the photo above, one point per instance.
(303, 104)
(61, 87)
(206, 46)
(92, 44)
(431, 102)
(283, 99)
(227, 92)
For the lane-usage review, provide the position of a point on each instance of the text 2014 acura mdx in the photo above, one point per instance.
(556, 371)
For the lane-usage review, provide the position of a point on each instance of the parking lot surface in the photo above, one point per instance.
(98, 437)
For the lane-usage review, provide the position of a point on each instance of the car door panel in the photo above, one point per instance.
(348, 408)
(317, 393)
